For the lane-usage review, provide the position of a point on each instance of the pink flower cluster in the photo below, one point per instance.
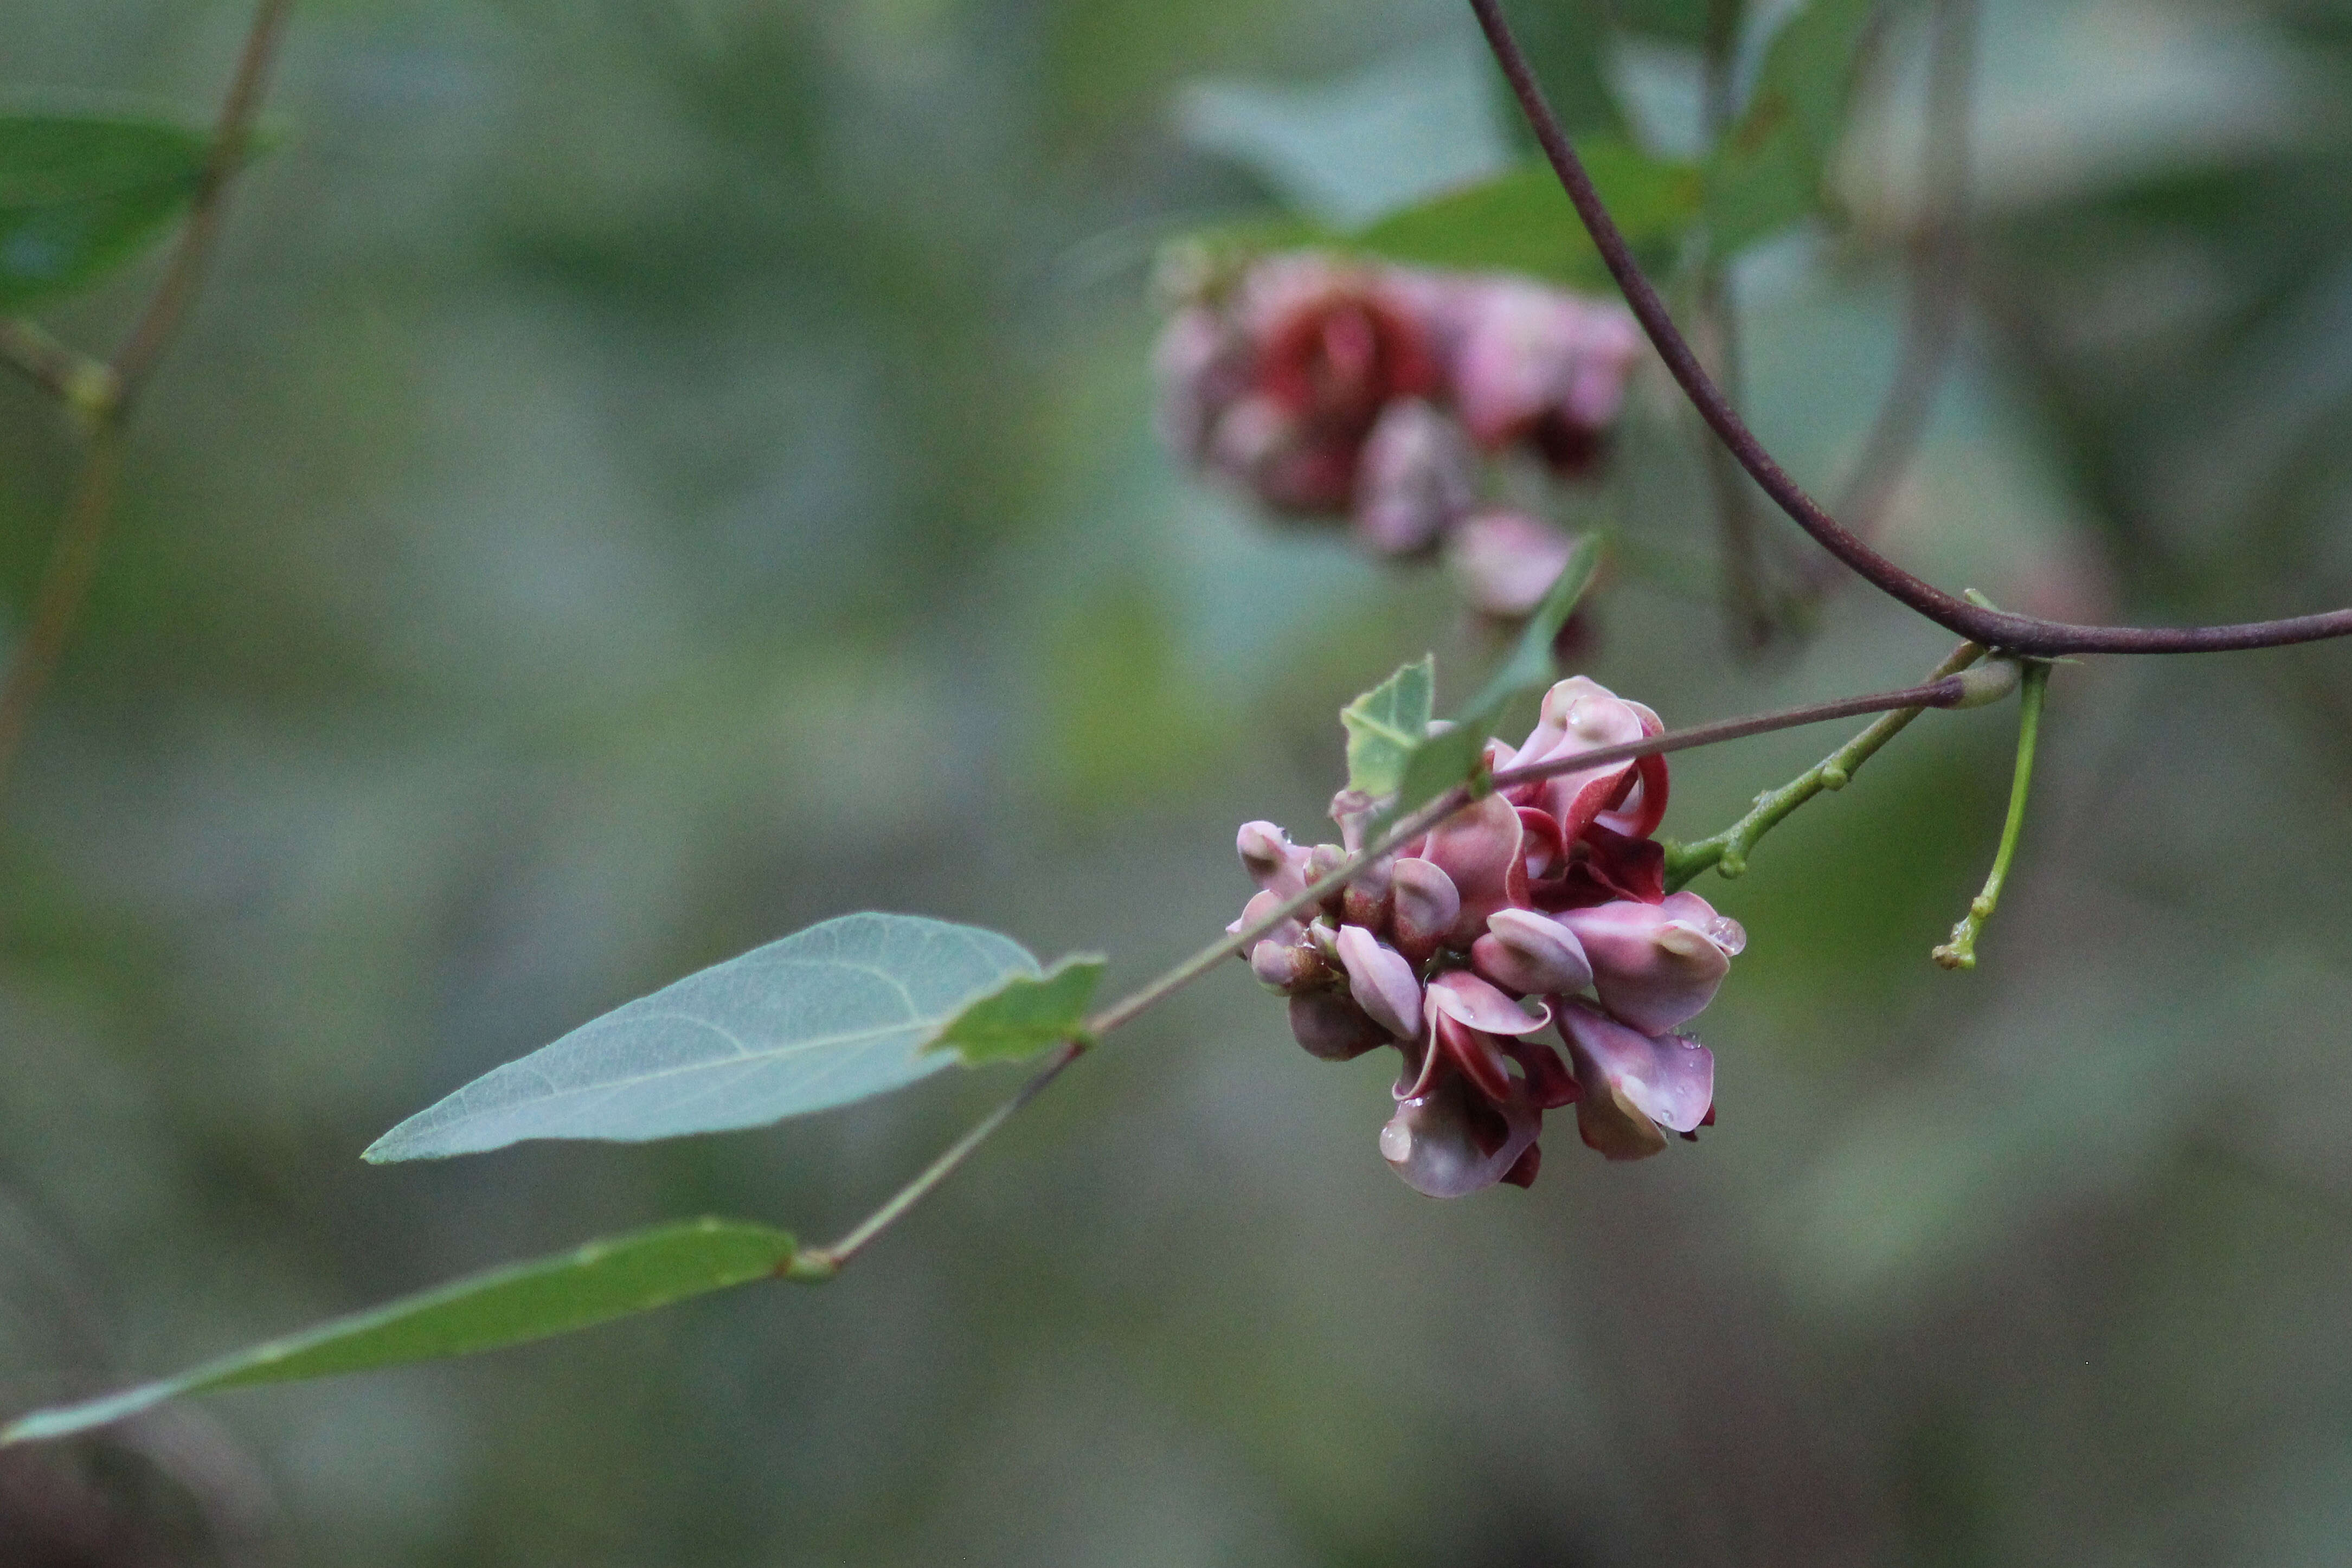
(1542, 906)
(1326, 388)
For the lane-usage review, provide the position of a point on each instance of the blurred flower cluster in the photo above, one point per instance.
(1548, 895)
(1325, 388)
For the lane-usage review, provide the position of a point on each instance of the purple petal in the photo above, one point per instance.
(1274, 863)
(1655, 966)
(1531, 953)
(1382, 981)
(1667, 1078)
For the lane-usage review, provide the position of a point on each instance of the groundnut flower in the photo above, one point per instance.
(1534, 915)
(1637, 1087)
(1657, 965)
(1331, 388)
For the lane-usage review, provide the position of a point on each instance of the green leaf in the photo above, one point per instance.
(1350, 148)
(1768, 172)
(594, 1284)
(1522, 222)
(1385, 724)
(831, 1015)
(81, 194)
(1024, 1016)
(1447, 758)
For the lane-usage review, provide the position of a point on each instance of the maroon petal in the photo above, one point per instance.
(1479, 1057)
(1550, 1083)
(1482, 848)
(1460, 995)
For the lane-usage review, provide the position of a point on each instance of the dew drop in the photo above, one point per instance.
(1396, 1141)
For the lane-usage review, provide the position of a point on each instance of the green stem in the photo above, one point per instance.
(1960, 953)
(1727, 851)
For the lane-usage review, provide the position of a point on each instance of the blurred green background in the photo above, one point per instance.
(647, 474)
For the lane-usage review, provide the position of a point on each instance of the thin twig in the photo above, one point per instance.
(1948, 690)
(105, 393)
(1939, 288)
(73, 561)
(1960, 953)
(1727, 851)
(65, 373)
(2021, 634)
(232, 136)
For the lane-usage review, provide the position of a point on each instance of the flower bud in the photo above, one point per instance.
(1987, 683)
(1288, 966)
(1634, 1084)
(1657, 965)
(1321, 861)
(1453, 1142)
(1332, 1028)
(1426, 907)
(1381, 981)
(1260, 906)
(1272, 862)
(1532, 954)
(1365, 902)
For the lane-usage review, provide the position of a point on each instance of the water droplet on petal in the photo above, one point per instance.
(1396, 1141)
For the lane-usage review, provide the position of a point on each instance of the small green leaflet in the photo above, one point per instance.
(1767, 173)
(828, 1016)
(1452, 755)
(1024, 1015)
(1385, 724)
(80, 194)
(1522, 221)
(511, 1306)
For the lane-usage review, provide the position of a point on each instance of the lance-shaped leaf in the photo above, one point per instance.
(80, 193)
(828, 1016)
(1767, 173)
(1452, 755)
(511, 1306)
(1024, 1015)
(1386, 723)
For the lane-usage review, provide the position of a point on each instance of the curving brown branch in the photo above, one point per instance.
(1994, 628)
